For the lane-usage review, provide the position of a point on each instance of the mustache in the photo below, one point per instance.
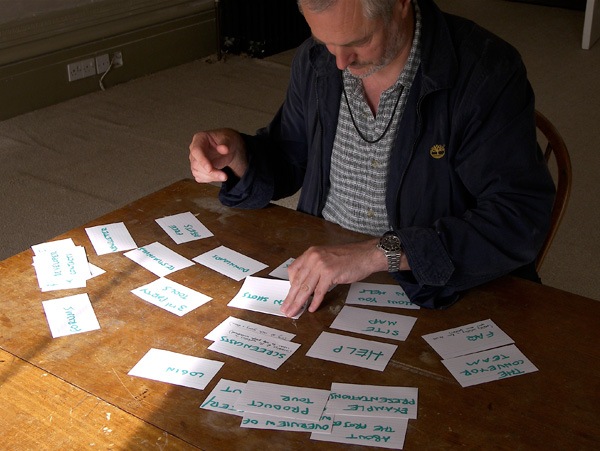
(359, 65)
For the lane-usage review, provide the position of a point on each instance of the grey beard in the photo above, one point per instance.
(367, 74)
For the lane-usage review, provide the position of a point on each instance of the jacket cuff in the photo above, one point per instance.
(255, 188)
(427, 256)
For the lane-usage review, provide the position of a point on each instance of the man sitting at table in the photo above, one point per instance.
(404, 123)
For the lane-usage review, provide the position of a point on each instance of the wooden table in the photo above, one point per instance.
(74, 391)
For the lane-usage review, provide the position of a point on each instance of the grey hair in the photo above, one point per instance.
(372, 9)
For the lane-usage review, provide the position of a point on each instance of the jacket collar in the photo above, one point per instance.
(439, 64)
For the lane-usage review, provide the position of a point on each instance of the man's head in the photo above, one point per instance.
(371, 8)
(365, 36)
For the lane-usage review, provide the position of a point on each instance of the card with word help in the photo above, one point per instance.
(352, 351)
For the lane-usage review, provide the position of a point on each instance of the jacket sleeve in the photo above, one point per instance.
(277, 153)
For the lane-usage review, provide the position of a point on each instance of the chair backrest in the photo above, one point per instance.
(554, 146)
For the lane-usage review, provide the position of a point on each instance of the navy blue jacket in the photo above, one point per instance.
(469, 193)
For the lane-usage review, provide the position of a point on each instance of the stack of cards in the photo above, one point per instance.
(348, 413)
(479, 352)
(60, 265)
(252, 342)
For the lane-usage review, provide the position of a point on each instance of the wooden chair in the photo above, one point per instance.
(560, 166)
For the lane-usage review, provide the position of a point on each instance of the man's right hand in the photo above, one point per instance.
(213, 150)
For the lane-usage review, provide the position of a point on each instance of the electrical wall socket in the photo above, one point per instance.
(92, 66)
(102, 63)
(117, 59)
(81, 69)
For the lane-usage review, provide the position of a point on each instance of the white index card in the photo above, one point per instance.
(171, 296)
(62, 268)
(278, 423)
(281, 272)
(224, 396)
(234, 325)
(352, 351)
(110, 238)
(379, 295)
(158, 259)
(467, 339)
(230, 263)
(375, 323)
(70, 315)
(95, 271)
(286, 401)
(252, 347)
(262, 295)
(175, 368)
(184, 227)
(490, 365)
(373, 401)
(387, 433)
(52, 245)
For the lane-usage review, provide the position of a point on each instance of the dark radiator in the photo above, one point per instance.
(259, 28)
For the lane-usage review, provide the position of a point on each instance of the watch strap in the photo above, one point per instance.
(391, 246)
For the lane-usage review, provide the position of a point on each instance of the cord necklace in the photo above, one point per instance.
(387, 127)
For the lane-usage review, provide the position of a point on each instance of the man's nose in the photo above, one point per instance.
(343, 57)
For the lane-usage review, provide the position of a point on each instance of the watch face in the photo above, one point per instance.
(391, 243)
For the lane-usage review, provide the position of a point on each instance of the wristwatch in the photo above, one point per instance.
(391, 246)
